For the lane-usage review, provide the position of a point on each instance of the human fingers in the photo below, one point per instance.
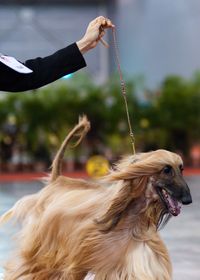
(102, 21)
(97, 21)
(107, 23)
(102, 33)
(104, 43)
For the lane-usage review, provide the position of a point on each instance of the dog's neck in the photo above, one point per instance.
(139, 219)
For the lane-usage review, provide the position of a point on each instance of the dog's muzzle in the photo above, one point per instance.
(173, 195)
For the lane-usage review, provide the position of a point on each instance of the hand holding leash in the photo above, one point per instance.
(94, 34)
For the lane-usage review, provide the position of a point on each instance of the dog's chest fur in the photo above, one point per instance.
(133, 260)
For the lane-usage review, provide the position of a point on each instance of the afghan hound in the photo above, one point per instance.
(107, 227)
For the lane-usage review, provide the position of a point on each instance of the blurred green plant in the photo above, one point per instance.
(173, 113)
(40, 120)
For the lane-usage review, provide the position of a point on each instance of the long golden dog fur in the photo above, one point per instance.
(107, 227)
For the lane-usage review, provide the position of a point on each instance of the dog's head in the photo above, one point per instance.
(171, 187)
(152, 181)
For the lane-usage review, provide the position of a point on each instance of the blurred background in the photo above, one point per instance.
(159, 46)
(159, 51)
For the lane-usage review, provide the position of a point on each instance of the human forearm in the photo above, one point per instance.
(45, 70)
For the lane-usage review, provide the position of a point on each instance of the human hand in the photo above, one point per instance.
(94, 33)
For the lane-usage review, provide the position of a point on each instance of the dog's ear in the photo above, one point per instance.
(131, 171)
(142, 164)
(130, 191)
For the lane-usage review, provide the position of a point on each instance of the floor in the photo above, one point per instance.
(181, 235)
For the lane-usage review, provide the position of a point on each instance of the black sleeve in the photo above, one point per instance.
(45, 70)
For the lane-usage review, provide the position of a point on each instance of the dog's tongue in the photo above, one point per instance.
(174, 206)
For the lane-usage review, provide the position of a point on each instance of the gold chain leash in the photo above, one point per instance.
(123, 88)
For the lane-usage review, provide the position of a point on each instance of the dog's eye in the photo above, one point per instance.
(167, 169)
(181, 168)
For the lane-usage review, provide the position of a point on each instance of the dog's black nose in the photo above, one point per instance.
(186, 199)
(185, 194)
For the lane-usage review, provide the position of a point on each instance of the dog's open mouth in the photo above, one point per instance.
(173, 205)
